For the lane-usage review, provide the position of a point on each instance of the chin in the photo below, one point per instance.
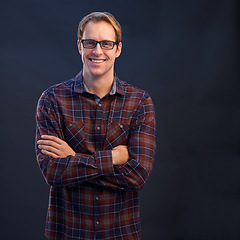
(96, 73)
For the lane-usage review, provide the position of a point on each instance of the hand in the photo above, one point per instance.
(54, 147)
(120, 155)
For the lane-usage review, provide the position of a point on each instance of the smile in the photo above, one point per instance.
(97, 60)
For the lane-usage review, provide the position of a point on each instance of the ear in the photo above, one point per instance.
(119, 49)
(79, 47)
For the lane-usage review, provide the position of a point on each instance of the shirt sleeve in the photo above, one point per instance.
(141, 147)
(71, 170)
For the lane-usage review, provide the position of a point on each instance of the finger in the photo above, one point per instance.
(48, 143)
(52, 138)
(49, 149)
(50, 154)
(121, 148)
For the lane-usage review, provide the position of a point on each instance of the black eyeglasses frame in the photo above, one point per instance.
(100, 43)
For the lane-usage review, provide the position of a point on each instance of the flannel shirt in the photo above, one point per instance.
(90, 198)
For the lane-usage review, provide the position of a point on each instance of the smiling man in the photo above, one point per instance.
(95, 142)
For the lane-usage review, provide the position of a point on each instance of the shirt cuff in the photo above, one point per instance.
(104, 162)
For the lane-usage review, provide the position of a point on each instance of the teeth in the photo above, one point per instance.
(97, 61)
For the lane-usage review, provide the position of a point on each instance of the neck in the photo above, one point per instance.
(99, 85)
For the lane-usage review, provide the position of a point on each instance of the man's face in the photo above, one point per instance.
(98, 62)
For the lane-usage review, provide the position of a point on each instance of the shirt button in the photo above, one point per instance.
(98, 128)
(97, 222)
(121, 126)
(99, 104)
(97, 198)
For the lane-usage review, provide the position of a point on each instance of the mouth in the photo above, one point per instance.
(97, 60)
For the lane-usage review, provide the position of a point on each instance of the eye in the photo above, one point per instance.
(107, 44)
(89, 43)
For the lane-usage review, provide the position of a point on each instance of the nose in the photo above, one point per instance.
(97, 50)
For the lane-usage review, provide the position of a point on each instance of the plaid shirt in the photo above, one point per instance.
(90, 198)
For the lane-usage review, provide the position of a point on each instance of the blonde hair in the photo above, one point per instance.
(100, 16)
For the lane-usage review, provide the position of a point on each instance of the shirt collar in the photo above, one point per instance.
(80, 86)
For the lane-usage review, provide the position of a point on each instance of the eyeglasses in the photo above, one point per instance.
(106, 45)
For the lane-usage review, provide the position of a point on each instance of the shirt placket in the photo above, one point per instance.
(99, 129)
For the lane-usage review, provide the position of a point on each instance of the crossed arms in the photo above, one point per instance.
(57, 148)
(118, 166)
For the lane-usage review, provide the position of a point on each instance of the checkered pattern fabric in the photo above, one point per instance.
(90, 198)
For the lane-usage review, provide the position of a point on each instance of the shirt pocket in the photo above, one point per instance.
(74, 135)
(117, 134)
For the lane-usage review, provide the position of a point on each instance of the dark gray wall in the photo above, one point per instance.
(186, 55)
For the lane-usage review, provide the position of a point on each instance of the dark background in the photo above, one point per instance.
(186, 55)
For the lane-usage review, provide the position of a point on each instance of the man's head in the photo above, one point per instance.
(99, 43)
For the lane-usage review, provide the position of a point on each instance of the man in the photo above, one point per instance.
(95, 142)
